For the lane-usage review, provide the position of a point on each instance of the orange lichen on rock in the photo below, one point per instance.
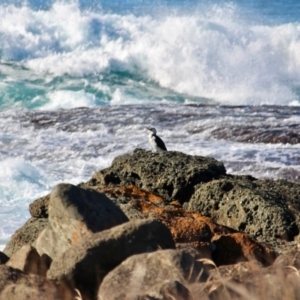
(134, 193)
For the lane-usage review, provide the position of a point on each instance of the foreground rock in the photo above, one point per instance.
(29, 261)
(74, 213)
(173, 175)
(14, 284)
(159, 275)
(84, 265)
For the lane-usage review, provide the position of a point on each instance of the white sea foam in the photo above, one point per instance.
(69, 99)
(216, 52)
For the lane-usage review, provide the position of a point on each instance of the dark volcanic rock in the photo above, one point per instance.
(74, 213)
(248, 205)
(158, 275)
(84, 265)
(173, 175)
(25, 235)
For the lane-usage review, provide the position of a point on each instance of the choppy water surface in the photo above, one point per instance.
(42, 148)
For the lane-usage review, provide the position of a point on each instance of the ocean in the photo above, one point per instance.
(80, 81)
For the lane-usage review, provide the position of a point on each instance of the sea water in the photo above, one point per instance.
(80, 81)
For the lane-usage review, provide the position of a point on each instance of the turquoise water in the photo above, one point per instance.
(80, 80)
(129, 52)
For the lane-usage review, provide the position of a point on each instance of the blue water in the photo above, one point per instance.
(64, 54)
(80, 80)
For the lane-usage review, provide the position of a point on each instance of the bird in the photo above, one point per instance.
(155, 141)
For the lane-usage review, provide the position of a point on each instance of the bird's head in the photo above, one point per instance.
(151, 129)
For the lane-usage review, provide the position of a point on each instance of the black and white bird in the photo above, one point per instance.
(155, 141)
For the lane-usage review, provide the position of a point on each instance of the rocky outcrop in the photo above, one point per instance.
(84, 265)
(172, 175)
(243, 203)
(159, 275)
(74, 213)
(106, 237)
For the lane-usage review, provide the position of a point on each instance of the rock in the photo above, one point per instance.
(172, 175)
(84, 265)
(39, 207)
(14, 284)
(249, 280)
(3, 258)
(29, 261)
(243, 203)
(189, 229)
(289, 259)
(25, 235)
(236, 247)
(159, 275)
(237, 271)
(74, 213)
(253, 134)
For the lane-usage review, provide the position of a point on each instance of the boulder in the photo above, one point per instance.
(171, 174)
(237, 247)
(39, 207)
(25, 235)
(84, 265)
(244, 204)
(160, 275)
(75, 212)
(29, 261)
(14, 284)
(190, 229)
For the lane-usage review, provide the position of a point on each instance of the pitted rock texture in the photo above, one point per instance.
(172, 175)
(248, 205)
